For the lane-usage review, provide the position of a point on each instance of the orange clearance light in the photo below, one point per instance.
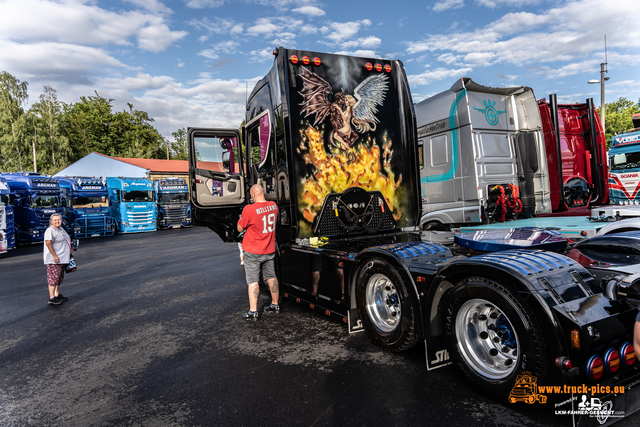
(286, 295)
(297, 300)
(345, 320)
(422, 279)
(293, 59)
(595, 368)
(612, 360)
(387, 68)
(378, 67)
(369, 66)
(628, 354)
(316, 61)
(306, 60)
(341, 264)
(575, 338)
(327, 312)
(311, 306)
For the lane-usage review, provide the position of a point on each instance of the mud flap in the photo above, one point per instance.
(355, 324)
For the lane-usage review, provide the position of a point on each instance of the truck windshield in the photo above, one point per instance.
(174, 198)
(90, 202)
(45, 202)
(137, 196)
(625, 161)
(4, 199)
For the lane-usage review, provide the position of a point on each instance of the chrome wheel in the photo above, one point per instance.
(486, 339)
(383, 303)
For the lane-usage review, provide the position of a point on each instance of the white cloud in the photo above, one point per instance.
(567, 35)
(154, 6)
(309, 10)
(438, 74)
(263, 55)
(359, 53)
(447, 4)
(180, 64)
(201, 4)
(217, 26)
(55, 61)
(497, 3)
(339, 32)
(267, 27)
(73, 21)
(157, 38)
(365, 42)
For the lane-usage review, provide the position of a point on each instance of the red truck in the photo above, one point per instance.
(576, 156)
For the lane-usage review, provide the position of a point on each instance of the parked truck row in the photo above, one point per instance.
(90, 207)
(356, 170)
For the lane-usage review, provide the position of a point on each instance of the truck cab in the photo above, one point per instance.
(624, 166)
(132, 204)
(172, 200)
(482, 154)
(576, 155)
(35, 198)
(85, 207)
(7, 230)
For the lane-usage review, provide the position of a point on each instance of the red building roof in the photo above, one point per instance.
(167, 166)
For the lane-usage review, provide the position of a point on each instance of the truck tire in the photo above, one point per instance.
(493, 336)
(386, 310)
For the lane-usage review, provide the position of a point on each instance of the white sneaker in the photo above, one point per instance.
(241, 262)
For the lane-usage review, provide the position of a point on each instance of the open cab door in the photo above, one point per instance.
(217, 179)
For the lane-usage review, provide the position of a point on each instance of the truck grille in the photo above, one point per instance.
(140, 218)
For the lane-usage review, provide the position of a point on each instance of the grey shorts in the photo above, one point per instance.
(253, 263)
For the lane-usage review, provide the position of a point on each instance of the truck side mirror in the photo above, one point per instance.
(619, 159)
(226, 161)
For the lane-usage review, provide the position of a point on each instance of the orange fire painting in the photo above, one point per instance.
(365, 165)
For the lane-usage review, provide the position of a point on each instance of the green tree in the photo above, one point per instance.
(86, 125)
(618, 117)
(54, 149)
(179, 146)
(14, 148)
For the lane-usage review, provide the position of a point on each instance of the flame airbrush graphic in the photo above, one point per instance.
(367, 165)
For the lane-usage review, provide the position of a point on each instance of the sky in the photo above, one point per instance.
(188, 63)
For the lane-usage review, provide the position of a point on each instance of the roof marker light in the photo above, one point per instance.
(387, 68)
(316, 61)
(293, 59)
(306, 60)
(378, 67)
(368, 66)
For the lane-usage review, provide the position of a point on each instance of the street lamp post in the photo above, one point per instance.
(601, 81)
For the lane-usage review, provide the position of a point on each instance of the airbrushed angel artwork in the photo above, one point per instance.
(345, 142)
(346, 112)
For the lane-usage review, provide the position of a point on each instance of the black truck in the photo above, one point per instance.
(332, 140)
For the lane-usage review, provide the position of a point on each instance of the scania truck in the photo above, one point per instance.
(7, 230)
(85, 207)
(172, 199)
(35, 198)
(338, 153)
(624, 166)
(132, 204)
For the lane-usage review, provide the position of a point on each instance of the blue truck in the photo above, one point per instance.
(7, 229)
(172, 198)
(85, 207)
(35, 198)
(624, 166)
(132, 204)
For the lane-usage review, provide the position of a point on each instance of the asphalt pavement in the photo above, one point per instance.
(152, 336)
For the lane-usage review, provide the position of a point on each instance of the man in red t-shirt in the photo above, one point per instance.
(259, 245)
